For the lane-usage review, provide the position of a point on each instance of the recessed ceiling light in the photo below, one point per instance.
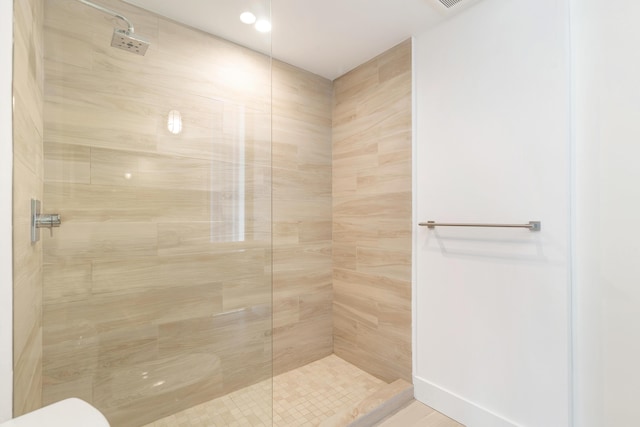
(247, 17)
(263, 26)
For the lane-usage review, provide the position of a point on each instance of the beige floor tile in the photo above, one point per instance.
(301, 397)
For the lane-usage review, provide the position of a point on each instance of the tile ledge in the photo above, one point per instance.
(389, 399)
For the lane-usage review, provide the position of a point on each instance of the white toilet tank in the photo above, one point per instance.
(66, 413)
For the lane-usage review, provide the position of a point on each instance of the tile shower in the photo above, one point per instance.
(191, 266)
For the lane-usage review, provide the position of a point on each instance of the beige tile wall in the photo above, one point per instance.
(302, 295)
(28, 179)
(150, 306)
(372, 215)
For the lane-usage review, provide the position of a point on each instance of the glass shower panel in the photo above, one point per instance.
(157, 285)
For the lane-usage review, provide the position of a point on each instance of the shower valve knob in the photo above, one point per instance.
(39, 221)
(48, 220)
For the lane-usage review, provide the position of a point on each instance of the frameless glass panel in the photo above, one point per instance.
(157, 286)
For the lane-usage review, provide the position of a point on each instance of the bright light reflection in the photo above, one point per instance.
(174, 122)
(247, 17)
(263, 26)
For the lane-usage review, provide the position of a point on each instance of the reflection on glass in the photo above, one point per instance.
(228, 183)
(174, 122)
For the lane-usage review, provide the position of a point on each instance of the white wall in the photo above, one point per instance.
(606, 97)
(6, 171)
(493, 145)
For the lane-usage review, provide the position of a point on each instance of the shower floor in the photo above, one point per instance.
(302, 397)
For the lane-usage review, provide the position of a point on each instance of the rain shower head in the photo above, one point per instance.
(123, 39)
(127, 40)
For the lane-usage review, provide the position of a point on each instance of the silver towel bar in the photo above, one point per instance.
(532, 225)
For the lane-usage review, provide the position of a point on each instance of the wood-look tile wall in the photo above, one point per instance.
(28, 182)
(372, 215)
(302, 294)
(153, 299)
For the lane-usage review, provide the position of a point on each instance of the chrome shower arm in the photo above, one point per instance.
(109, 12)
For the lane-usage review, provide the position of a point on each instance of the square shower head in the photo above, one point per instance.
(127, 40)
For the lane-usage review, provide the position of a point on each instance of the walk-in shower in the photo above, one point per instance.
(193, 271)
(123, 39)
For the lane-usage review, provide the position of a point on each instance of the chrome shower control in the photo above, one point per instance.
(48, 220)
(39, 220)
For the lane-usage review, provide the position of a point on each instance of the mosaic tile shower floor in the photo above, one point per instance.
(303, 397)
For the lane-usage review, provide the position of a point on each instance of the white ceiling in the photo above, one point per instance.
(326, 37)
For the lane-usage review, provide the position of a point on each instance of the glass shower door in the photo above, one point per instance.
(157, 286)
